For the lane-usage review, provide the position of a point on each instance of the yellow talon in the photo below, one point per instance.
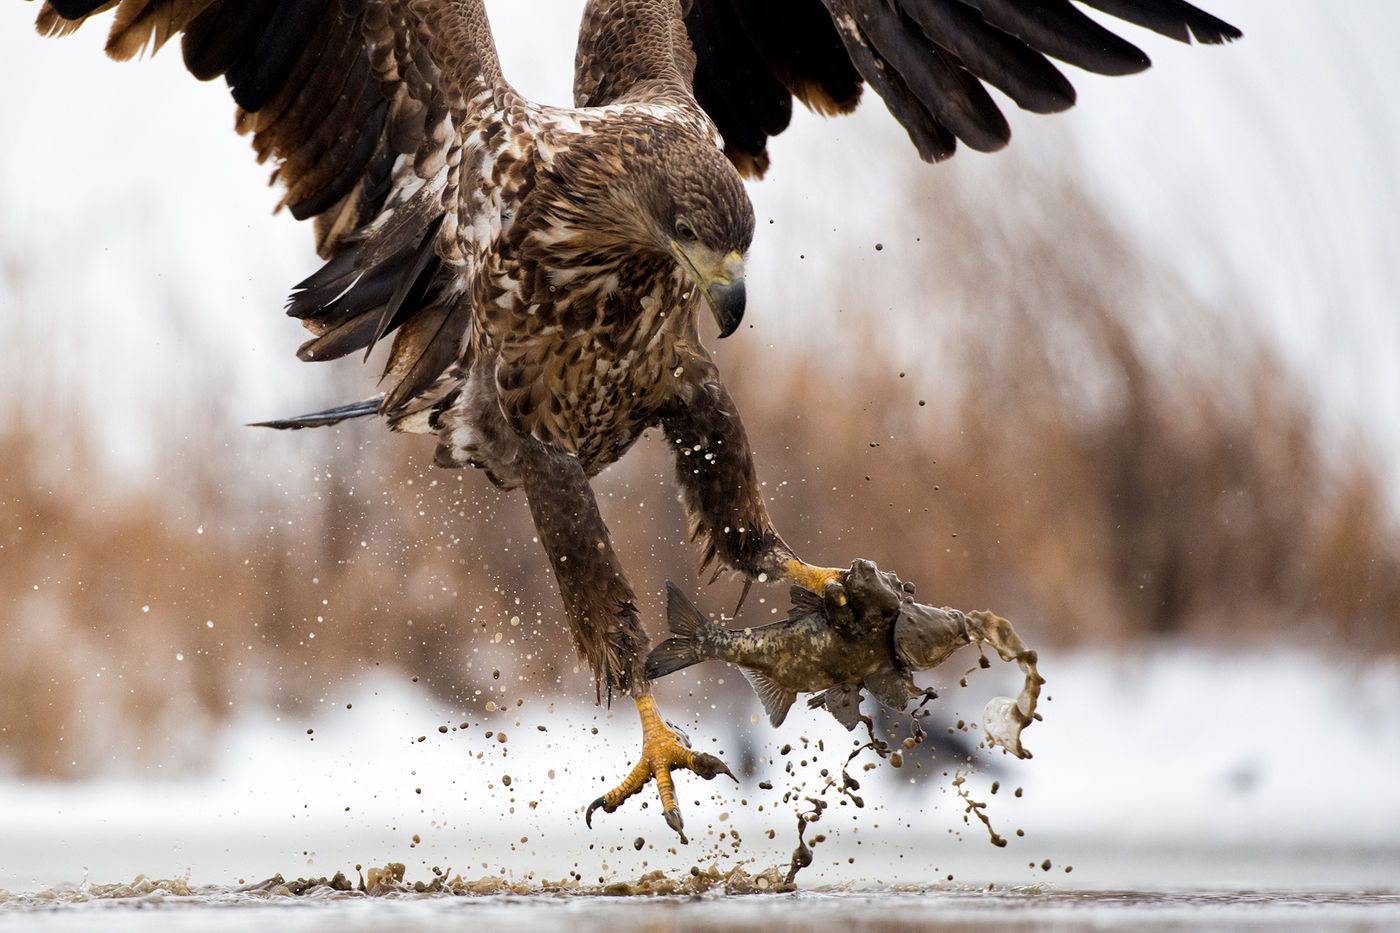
(662, 750)
(814, 579)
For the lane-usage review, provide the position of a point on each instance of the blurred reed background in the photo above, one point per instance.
(1007, 400)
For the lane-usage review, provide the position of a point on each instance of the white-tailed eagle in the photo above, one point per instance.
(541, 270)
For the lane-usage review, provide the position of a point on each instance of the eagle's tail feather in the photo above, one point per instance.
(320, 419)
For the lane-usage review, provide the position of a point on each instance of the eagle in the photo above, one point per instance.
(542, 271)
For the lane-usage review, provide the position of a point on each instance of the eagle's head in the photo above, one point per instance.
(658, 193)
(698, 212)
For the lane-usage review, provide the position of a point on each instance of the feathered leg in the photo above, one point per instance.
(603, 619)
(720, 490)
(598, 599)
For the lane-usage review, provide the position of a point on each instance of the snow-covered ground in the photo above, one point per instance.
(1175, 769)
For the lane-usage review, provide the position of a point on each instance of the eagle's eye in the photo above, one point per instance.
(685, 231)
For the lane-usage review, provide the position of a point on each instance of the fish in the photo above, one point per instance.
(864, 631)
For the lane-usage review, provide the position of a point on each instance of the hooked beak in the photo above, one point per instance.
(727, 302)
(723, 282)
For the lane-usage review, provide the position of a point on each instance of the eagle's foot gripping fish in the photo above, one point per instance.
(863, 632)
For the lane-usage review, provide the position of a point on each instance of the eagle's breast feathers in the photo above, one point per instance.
(578, 334)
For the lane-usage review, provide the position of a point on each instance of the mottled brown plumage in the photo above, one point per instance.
(542, 269)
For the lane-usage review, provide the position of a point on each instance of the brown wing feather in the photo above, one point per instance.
(423, 349)
(332, 93)
(319, 84)
(148, 24)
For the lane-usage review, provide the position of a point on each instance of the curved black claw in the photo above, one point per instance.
(588, 814)
(673, 820)
(709, 767)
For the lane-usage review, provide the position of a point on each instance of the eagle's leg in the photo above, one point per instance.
(663, 749)
(720, 490)
(812, 578)
(603, 618)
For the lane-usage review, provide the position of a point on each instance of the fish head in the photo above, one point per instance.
(872, 590)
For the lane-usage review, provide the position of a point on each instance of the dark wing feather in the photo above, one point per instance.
(1058, 29)
(932, 139)
(319, 194)
(357, 111)
(333, 92)
(1173, 18)
(746, 100)
(798, 41)
(367, 291)
(1001, 60)
(953, 97)
(256, 76)
(221, 36)
(77, 9)
(927, 58)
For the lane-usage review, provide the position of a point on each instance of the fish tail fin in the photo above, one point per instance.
(690, 642)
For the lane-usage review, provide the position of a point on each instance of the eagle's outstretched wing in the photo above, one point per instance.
(928, 59)
(307, 92)
(350, 100)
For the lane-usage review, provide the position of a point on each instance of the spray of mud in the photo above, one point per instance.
(1003, 721)
(817, 788)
